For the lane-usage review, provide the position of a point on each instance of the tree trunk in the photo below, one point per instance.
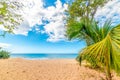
(108, 74)
(108, 71)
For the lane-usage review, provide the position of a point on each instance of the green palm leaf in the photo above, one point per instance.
(105, 52)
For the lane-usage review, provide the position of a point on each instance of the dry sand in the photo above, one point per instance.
(59, 69)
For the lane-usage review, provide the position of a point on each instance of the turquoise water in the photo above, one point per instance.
(44, 56)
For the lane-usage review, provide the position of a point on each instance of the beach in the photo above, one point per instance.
(51, 69)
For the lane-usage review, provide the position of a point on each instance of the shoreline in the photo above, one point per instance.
(44, 56)
(37, 59)
(51, 69)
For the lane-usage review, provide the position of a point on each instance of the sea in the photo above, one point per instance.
(43, 56)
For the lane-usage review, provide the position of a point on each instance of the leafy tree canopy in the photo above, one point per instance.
(80, 15)
(9, 16)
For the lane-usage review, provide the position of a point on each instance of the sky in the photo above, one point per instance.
(43, 27)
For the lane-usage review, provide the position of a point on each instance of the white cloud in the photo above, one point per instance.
(110, 11)
(56, 27)
(4, 45)
(35, 13)
(2, 27)
(23, 28)
(55, 30)
(51, 17)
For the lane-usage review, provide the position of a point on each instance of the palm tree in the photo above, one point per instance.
(103, 45)
(105, 53)
(102, 42)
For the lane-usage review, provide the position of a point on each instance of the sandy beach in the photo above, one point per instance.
(57, 69)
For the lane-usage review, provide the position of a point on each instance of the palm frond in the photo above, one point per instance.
(105, 52)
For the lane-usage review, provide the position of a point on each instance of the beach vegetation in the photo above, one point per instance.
(10, 18)
(4, 54)
(102, 42)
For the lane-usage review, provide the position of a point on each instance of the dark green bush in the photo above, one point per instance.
(4, 54)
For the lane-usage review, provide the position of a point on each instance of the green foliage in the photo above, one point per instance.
(81, 18)
(108, 49)
(9, 18)
(105, 53)
(3, 10)
(85, 8)
(103, 42)
(4, 54)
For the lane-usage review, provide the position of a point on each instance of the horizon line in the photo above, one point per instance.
(43, 53)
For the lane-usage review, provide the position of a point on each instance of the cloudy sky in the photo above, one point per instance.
(43, 27)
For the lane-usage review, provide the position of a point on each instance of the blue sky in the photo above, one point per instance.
(33, 40)
(36, 43)
(43, 27)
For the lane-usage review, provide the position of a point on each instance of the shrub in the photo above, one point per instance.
(4, 54)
